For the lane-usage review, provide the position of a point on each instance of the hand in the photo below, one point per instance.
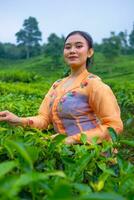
(70, 140)
(9, 117)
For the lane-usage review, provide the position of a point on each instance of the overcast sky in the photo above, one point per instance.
(98, 17)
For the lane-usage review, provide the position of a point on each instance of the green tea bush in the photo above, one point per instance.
(19, 76)
(33, 166)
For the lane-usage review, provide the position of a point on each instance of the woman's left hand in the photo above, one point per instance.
(70, 140)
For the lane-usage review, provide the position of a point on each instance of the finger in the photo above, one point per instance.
(3, 119)
(13, 123)
(4, 113)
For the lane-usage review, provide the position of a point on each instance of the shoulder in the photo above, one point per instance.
(91, 80)
(91, 77)
(57, 83)
(52, 92)
(95, 83)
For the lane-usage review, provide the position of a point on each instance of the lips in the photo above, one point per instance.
(72, 57)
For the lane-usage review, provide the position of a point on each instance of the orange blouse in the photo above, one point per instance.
(87, 106)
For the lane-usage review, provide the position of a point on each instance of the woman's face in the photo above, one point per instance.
(76, 51)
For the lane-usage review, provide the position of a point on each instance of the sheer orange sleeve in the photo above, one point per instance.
(105, 106)
(42, 120)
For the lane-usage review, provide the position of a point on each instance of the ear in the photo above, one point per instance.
(90, 52)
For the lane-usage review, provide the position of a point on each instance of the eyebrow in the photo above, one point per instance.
(74, 43)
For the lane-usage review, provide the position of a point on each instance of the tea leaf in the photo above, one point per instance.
(6, 167)
(21, 150)
(57, 140)
(83, 138)
(31, 177)
(128, 142)
(113, 134)
(102, 196)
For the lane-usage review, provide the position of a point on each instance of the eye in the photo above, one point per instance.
(78, 46)
(67, 47)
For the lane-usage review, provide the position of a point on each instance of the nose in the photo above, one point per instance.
(72, 49)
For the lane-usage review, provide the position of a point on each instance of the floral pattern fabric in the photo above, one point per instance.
(88, 106)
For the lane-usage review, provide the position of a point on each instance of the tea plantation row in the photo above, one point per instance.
(33, 166)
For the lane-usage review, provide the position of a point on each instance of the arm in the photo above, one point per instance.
(43, 119)
(105, 106)
(40, 121)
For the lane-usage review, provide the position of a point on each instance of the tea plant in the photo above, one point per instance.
(33, 166)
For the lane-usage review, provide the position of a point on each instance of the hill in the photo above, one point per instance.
(38, 65)
(36, 75)
(119, 69)
(33, 166)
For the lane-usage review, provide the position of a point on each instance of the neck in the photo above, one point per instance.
(76, 72)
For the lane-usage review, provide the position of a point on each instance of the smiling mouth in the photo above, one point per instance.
(72, 57)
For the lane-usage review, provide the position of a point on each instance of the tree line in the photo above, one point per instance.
(29, 39)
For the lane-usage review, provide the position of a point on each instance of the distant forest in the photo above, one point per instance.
(29, 43)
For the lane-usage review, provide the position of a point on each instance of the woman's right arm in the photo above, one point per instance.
(40, 121)
(9, 117)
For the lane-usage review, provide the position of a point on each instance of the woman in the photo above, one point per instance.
(79, 103)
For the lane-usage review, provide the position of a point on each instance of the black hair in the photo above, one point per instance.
(89, 40)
